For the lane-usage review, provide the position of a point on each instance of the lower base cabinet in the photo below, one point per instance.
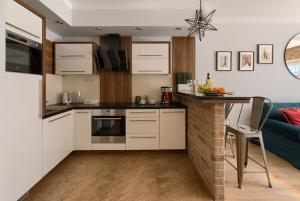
(83, 130)
(142, 141)
(172, 129)
(58, 133)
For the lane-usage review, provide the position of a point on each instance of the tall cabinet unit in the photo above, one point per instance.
(23, 121)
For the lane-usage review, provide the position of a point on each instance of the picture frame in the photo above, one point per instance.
(265, 53)
(246, 61)
(223, 61)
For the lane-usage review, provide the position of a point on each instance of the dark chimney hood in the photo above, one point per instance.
(110, 56)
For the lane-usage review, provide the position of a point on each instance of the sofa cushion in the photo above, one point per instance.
(275, 114)
(292, 115)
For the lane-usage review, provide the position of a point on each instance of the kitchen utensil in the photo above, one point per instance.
(76, 95)
(66, 98)
(166, 95)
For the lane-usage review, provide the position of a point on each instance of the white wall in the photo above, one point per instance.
(269, 80)
(2, 69)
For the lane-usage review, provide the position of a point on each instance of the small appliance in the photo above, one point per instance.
(66, 98)
(166, 95)
(76, 95)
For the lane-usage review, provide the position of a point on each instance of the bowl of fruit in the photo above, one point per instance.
(212, 91)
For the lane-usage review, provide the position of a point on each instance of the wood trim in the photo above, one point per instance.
(116, 87)
(183, 57)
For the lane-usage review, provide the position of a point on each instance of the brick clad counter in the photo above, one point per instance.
(205, 133)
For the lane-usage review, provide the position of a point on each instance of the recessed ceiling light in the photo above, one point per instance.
(139, 28)
(99, 29)
(59, 22)
(178, 28)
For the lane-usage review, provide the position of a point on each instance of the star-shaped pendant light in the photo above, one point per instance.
(201, 23)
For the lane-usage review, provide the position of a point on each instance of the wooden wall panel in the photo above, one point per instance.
(116, 87)
(48, 57)
(183, 56)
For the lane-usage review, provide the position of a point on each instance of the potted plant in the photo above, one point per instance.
(182, 79)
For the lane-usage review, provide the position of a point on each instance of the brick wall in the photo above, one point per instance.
(206, 143)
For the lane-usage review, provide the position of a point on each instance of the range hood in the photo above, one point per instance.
(110, 57)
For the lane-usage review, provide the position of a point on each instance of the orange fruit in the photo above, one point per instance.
(215, 90)
(221, 90)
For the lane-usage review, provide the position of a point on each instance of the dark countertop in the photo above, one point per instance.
(53, 110)
(214, 99)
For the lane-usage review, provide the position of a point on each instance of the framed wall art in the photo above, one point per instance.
(223, 61)
(265, 53)
(246, 61)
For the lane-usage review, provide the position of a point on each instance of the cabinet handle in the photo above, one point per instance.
(178, 112)
(73, 71)
(152, 120)
(107, 118)
(21, 30)
(150, 71)
(82, 112)
(59, 118)
(72, 56)
(142, 137)
(142, 112)
(150, 55)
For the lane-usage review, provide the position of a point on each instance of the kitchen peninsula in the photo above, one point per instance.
(205, 137)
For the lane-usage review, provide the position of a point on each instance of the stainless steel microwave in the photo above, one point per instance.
(22, 54)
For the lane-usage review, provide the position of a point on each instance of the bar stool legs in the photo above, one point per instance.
(242, 156)
(229, 137)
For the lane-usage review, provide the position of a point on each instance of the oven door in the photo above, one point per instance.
(23, 55)
(108, 129)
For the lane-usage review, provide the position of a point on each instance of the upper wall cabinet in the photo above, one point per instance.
(151, 58)
(23, 22)
(71, 58)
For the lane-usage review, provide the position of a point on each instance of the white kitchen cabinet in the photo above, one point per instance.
(58, 133)
(71, 58)
(142, 141)
(150, 58)
(83, 129)
(172, 129)
(22, 21)
(23, 134)
(142, 129)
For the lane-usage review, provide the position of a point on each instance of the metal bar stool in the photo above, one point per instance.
(229, 136)
(245, 132)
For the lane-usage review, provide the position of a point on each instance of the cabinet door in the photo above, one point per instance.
(150, 50)
(73, 51)
(150, 66)
(73, 66)
(23, 137)
(22, 21)
(83, 130)
(172, 129)
(57, 139)
(142, 141)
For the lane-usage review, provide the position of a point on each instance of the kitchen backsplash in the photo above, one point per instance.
(88, 85)
(149, 85)
(53, 89)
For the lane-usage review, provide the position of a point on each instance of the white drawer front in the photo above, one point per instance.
(71, 51)
(150, 50)
(73, 66)
(142, 113)
(150, 66)
(142, 141)
(142, 125)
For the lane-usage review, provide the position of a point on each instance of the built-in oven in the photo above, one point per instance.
(108, 126)
(22, 54)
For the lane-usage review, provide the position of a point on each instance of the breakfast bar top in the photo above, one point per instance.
(214, 98)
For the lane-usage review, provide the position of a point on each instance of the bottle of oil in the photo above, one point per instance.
(209, 82)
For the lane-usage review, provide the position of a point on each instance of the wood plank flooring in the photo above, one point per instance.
(158, 177)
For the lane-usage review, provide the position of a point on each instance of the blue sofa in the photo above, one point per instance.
(281, 138)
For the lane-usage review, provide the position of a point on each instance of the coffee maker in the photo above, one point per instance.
(166, 95)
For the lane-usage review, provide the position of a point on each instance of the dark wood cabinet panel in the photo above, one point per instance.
(183, 56)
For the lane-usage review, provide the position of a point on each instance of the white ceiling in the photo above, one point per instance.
(157, 17)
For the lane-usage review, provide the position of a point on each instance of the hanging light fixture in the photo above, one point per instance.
(201, 23)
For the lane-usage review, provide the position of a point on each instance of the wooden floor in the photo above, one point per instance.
(157, 177)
